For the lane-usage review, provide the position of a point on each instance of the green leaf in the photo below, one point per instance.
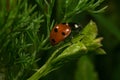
(89, 32)
(95, 44)
(100, 51)
(90, 41)
(73, 51)
(85, 70)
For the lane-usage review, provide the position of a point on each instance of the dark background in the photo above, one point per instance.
(108, 66)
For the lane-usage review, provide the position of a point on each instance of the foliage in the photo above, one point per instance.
(24, 36)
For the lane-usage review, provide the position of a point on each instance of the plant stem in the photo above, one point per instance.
(46, 67)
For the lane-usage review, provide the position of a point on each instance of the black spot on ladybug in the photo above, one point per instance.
(55, 30)
(63, 33)
(53, 40)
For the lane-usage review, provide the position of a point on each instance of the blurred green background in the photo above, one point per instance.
(107, 66)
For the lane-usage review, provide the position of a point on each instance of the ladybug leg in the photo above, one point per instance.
(69, 39)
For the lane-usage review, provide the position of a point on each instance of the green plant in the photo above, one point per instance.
(24, 35)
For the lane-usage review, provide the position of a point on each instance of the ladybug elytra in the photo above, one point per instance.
(62, 31)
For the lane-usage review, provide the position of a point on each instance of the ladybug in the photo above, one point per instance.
(62, 31)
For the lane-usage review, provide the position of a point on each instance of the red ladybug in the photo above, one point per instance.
(61, 31)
